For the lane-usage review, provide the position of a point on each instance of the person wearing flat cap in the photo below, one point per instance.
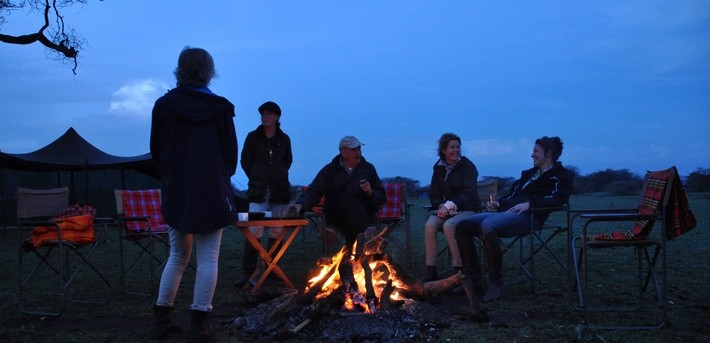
(352, 189)
(266, 160)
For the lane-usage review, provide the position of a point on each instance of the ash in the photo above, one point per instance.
(414, 320)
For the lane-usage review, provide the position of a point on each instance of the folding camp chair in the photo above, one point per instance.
(395, 213)
(663, 200)
(539, 240)
(139, 212)
(61, 244)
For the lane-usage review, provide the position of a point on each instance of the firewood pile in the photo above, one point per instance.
(358, 295)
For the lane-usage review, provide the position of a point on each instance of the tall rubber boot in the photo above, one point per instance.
(471, 264)
(494, 256)
(248, 264)
(199, 327)
(164, 326)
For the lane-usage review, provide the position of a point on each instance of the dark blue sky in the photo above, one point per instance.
(625, 84)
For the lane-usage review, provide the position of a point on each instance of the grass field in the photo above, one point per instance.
(518, 317)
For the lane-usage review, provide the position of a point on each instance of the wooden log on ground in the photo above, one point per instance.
(442, 286)
(415, 288)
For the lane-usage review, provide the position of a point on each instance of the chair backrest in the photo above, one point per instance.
(138, 204)
(396, 201)
(654, 199)
(485, 189)
(35, 203)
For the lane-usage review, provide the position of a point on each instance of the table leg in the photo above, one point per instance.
(271, 263)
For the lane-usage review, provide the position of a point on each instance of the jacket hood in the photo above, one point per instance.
(197, 104)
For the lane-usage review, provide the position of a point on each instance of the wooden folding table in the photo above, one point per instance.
(271, 258)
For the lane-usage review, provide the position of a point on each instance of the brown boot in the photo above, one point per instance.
(199, 327)
(164, 326)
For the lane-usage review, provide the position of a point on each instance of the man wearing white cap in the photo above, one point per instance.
(352, 189)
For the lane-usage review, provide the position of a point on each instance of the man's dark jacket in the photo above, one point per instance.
(343, 195)
(266, 162)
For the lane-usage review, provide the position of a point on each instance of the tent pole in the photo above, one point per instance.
(86, 183)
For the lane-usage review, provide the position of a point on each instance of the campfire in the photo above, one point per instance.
(360, 281)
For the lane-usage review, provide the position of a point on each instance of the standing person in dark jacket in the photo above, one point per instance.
(352, 189)
(454, 196)
(547, 184)
(266, 159)
(194, 144)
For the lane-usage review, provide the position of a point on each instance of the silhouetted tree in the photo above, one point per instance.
(699, 180)
(615, 182)
(52, 32)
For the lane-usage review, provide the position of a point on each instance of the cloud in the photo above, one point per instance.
(137, 99)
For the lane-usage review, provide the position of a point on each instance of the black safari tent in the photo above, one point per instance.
(71, 161)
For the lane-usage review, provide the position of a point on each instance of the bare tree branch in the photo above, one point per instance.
(53, 34)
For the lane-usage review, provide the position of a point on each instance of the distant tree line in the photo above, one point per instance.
(608, 181)
(698, 181)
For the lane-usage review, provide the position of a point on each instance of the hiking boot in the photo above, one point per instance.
(164, 326)
(199, 327)
(431, 274)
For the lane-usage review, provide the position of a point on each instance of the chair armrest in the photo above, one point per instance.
(619, 216)
(32, 223)
(134, 219)
(603, 210)
(577, 213)
(104, 220)
(548, 209)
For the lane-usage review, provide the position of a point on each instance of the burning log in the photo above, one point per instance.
(442, 286)
(306, 296)
(386, 297)
(362, 276)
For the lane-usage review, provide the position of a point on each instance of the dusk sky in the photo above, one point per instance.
(625, 84)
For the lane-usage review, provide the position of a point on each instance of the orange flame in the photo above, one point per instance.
(355, 298)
